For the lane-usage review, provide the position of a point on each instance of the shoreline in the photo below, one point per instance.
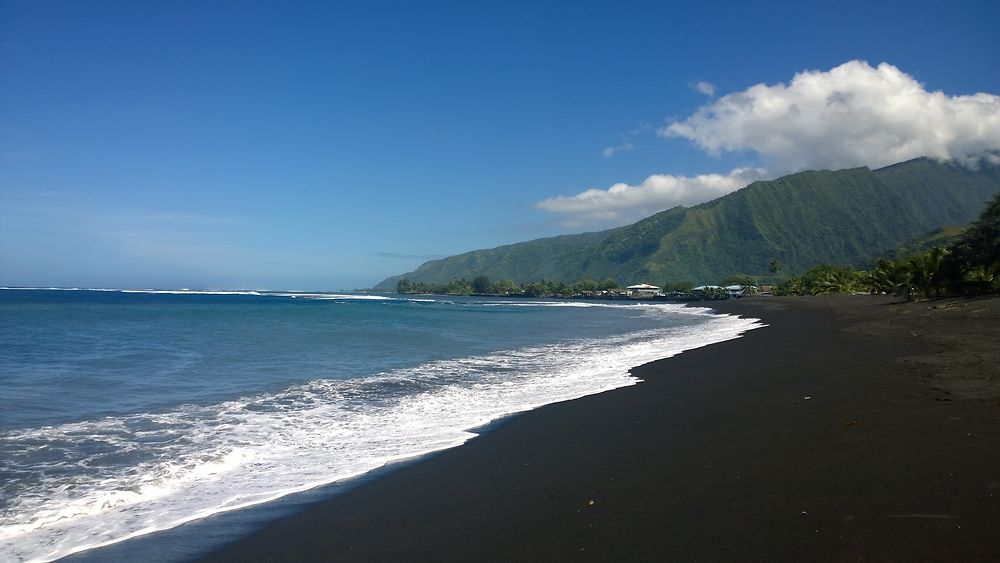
(828, 435)
(209, 531)
(651, 488)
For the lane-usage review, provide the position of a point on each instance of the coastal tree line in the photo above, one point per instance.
(483, 285)
(969, 266)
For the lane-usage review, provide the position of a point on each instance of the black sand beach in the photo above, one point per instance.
(850, 429)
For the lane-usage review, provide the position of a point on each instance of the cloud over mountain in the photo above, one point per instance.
(852, 115)
(657, 192)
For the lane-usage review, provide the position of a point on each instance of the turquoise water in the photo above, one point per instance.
(125, 413)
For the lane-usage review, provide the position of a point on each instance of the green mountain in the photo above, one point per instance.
(847, 217)
(943, 237)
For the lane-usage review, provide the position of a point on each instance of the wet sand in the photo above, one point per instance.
(850, 429)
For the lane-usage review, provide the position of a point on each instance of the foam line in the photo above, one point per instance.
(119, 477)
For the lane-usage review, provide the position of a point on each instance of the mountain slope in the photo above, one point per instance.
(842, 217)
(944, 237)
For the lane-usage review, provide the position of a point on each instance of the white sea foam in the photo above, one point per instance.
(152, 291)
(581, 304)
(184, 291)
(50, 289)
(336, 296)
(201, 460)
(188, 292)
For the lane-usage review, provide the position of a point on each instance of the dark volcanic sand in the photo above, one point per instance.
(849, 429)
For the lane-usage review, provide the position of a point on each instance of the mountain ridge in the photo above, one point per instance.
(849, 216)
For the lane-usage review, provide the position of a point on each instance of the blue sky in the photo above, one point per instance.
(327, 145)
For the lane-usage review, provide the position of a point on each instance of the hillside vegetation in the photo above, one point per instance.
(943, 237)
(849, 217)
(969, 265)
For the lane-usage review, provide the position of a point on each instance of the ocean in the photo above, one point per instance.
(129, 412)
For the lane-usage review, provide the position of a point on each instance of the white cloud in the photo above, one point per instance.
(608, 152)
(622, 202)
(851, 115)
(703, 87)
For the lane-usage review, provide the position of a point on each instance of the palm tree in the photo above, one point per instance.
(793, 286)
(925, 271)
(974, 263)
(886, 276)
(834, 280)
(749, 285)
(981, 279)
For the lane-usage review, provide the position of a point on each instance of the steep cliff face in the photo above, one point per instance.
(840, 217)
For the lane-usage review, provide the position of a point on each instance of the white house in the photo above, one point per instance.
(643, 290)
(741, 290)
(735, 290)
